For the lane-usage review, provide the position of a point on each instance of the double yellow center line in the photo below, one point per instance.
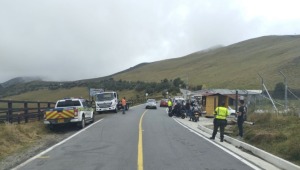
(140, 161)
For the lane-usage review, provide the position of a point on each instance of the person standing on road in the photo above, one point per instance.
(124, 104)
(241, 117)
(188, 110)
(221, 114)
(170, 104)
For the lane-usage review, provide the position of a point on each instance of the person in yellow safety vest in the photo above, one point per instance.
(170, 104)
(221, 114)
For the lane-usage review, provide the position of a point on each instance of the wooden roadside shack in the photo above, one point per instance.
(210, 98)
(210, 101)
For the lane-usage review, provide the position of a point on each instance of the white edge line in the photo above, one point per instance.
(221, 147)
(54, 146)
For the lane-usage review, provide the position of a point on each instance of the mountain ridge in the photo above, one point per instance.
(236, 66)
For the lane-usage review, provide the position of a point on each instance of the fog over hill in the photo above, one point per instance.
(235, 66)
(19, 80)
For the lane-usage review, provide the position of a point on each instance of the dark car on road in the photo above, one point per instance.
(163, 103)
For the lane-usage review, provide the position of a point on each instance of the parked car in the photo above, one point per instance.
(151, 104)
(163, 103)
(231, 111)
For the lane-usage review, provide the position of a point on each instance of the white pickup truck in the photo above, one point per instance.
(71, 110)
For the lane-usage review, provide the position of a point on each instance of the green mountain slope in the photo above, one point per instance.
(233, 66)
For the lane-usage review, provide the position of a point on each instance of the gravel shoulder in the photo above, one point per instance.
(41, 145)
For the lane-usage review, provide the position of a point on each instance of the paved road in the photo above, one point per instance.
(140, 139)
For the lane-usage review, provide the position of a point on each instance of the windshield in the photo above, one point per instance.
(68, 103)
(150, 100)
(104, 96)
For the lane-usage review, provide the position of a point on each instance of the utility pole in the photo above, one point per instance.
(285, 91)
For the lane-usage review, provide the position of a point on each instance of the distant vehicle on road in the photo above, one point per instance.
(151, 104)
(106, 101)
(163, 103)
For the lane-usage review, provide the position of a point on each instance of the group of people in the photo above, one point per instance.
(178, 106)
(221, 113)
(175, 107)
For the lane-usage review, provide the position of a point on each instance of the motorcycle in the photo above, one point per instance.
(196, 113)
(177, 111)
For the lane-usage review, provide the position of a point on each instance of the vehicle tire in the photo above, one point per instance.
(116, 110)
(182, 116)
(98, 112)
(52, 127)
(93, 118)
(82, 123)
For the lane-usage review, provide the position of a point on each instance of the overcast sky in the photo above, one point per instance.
(79, 39)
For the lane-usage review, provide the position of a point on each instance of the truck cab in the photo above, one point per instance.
(106, 101)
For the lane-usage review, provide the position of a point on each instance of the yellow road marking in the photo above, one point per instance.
(140, 145)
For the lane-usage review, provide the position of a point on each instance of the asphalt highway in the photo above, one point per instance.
(141, 139)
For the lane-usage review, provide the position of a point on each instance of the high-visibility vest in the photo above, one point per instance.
(169, 103)
(221, 112)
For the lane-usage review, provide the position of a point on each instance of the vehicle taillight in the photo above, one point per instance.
(76, 112)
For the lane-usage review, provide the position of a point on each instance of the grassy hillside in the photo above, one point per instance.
(54, 95)
(234, 66)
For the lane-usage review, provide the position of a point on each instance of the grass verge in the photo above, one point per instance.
(278, 135)
(17, 137)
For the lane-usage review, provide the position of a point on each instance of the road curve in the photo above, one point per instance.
(115, 143)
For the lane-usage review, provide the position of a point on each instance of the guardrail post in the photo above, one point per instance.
(39, 111)
(9, 112)
(26, 112)
(19, 118)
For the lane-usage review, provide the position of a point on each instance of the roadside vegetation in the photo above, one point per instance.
(17, 137)
(276, 134)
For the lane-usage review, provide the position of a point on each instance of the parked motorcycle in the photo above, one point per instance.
(177, 111)
(196, 113)
(195, 116)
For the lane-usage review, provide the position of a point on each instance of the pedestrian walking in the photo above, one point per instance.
(123, 104)
(221, 113)
(241, 117)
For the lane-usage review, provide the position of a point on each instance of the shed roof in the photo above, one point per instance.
(208, 92)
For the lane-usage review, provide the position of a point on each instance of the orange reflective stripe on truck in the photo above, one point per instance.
(63, 114)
